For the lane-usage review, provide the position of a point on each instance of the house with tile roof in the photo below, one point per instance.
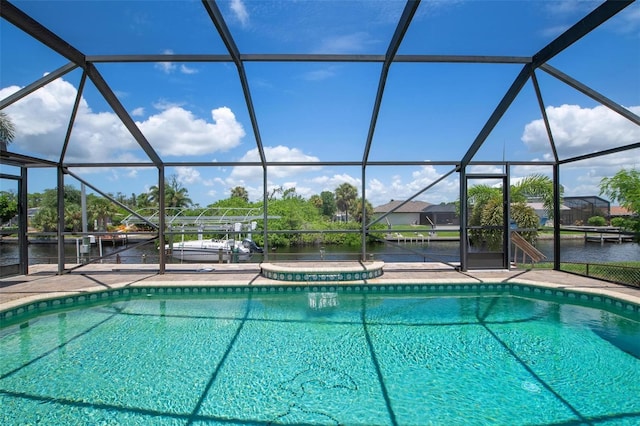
(444, 214)
(410, 213)
(619, 211)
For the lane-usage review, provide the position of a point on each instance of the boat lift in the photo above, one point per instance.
(211, 219)
(230, 221)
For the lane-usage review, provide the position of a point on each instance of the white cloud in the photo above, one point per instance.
(41, 121)
(320, 74)
(585, 183)
(332, 182)
(240, 12)
(381, 189)
(177, 132)
(187, 175)
(164, 104)
(166, 67)
(278, 153)
(485, 169)
(577, 130)
(348, 43)
(630, 20)
(567, 7)
(138, 112)
(52, 104)
(552, 32)
(285, 154)
(186, 70)
(171, 67)
(583, 177)
(608, 130)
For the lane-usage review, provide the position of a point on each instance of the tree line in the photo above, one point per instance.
(319, 212)
(335, 210)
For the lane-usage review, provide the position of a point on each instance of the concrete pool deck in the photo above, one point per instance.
(42, 283)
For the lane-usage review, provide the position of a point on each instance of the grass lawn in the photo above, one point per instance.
(549, 265)
(620, 272)
(421, 229)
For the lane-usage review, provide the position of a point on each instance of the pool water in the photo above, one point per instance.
(323, 359)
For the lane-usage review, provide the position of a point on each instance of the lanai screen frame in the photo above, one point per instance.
(530, 65)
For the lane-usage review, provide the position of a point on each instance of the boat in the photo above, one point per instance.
(232, 228)
(214, 250)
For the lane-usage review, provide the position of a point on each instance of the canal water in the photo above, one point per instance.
(572, 250)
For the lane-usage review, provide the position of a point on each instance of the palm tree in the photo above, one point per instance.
(316, 201)
(240, 192)
(346, 194)
(535, 186)
(175, 195)
(7, 131)
(478, 197)
(101, 210)
(482, 202)
(154, 194)
(356, 210)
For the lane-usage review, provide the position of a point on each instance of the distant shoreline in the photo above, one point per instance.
(137, 238)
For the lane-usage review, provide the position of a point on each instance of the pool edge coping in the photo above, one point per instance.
(31, 305)
(607, 291)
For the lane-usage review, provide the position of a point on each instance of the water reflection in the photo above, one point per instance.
(572, 250)
(322, 300)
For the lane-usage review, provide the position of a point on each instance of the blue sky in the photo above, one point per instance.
(320, 111)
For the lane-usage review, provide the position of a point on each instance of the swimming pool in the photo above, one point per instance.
(324, 357)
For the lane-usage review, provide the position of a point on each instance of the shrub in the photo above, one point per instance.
(628, 224)
(597, 221)
(618, 222)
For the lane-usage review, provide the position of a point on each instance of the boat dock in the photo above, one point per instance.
(602, 234)
(607, 238)
(422, 236)
(114, 239)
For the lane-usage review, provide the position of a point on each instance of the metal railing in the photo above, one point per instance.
(615, 273)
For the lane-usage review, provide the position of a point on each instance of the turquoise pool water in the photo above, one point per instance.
(323, 358)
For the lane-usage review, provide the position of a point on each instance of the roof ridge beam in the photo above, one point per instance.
(312, 57)
(41, 82)
(405, 20)
(545, 118)
(610, 151)
(626, 113)
(583, 27)
(160, 57)
(121, 112)
(39, 32)
(497, 114)
(598, 16)
(220, 24)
